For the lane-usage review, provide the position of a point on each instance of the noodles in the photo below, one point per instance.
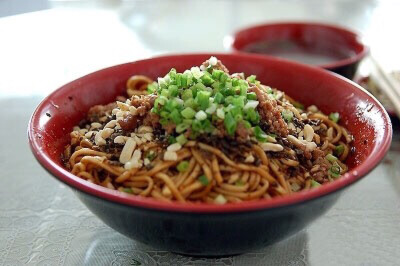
(206, 136)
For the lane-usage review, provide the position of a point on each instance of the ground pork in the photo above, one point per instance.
(270, 113)
(218, 66)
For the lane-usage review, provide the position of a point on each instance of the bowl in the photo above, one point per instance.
(209, 229)
(327, 46)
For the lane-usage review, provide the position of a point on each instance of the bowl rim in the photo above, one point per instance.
(339, 29)
(115, 196)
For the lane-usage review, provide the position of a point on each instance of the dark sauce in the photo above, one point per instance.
(309, 53)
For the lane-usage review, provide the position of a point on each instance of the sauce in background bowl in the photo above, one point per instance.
(327, 46)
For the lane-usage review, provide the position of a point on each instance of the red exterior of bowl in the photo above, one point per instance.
(321, 36)
(152, 221)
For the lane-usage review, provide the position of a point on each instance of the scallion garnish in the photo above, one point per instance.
(298, 105)
(183, 166)
(334, 117)
(335, 170)
(260, 134)
(339, 149)
(171, 140)
(201, 115)
(181, 139)
(127, 190)
(230, 124)
(287, 115)
(251, 96)
(315, 183)
(195, 100)
(188, 113)
(203, 180)
(202, 99)
(251, 79)
(331, 158)
(239, 183)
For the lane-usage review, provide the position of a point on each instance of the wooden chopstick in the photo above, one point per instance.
(387, 84)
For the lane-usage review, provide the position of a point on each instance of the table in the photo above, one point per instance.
(43, 223)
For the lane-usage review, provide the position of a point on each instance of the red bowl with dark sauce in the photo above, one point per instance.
(327, 46)
(204, 229)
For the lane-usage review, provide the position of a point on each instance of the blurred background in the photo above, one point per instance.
(90, 34)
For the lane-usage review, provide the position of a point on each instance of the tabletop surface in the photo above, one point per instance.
(41, 220)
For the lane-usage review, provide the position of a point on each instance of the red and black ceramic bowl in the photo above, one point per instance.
(327, 46)
(209, 229)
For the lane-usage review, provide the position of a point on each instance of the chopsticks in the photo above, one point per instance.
(388, 84)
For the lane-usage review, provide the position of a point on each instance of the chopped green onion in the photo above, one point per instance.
(339, 149)
(246, 124)
(127, 190)
(183, 166)
(151, 88)
(315, 183)
(230, 124)
(201, 115)
(207, 126)
(298, 105)
(210, 110)
(164, 114)
(251, 96)
(203, 180)
(187, 94)
(216, 73)
(171, 140)
(236, 111)
(198, 87)
(334, 117)
(223, 78)
(181, 139)
(335, 171)
(207, 79)
(218, 98)
(164, 121)
(202, 99)
(188, 113)
(287, 115)
(190, 103)
(238, 101)
(220, 113)
(184, 80)
(228, 92)
(172, 74)
(173, 90)
(239, 183)
(182, 127)
(220, 199)
(331, 158)
(197, 126)
(229, 100)
(151, 155)
(175, 116)
(251, 104)
(160, 100)
(217, 85)
(260, 134)
(178, 79)
(251, 79)
(252, 115)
